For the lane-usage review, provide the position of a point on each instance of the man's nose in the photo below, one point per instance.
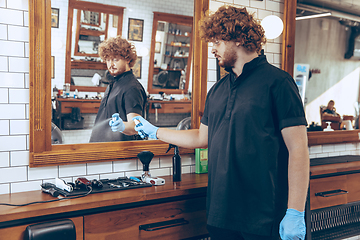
(213, 50)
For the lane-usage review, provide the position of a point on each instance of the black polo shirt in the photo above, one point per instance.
(124, 95)
(247, 189)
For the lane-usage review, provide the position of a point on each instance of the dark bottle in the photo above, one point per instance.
(176, 163)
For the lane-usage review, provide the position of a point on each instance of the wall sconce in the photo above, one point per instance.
(273, 26)
(143, 52)
(57, 44)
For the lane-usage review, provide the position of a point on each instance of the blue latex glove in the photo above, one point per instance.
(292, 225)
(116, 123)
(144, 128)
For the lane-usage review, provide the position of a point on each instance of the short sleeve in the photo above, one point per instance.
(288, 104)
(134, 101)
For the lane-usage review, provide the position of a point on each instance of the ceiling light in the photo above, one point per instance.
(313, 16)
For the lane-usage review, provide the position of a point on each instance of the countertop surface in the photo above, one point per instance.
(192, 185)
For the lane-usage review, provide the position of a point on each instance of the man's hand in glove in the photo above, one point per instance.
(292, 226)
(144, 128)
(116, 123)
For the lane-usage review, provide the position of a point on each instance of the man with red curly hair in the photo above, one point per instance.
(255, 129)
(124, 95)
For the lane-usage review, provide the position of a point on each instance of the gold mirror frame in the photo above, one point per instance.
(42, 153)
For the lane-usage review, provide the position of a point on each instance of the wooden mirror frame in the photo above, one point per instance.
(42, 152)
(172, 18)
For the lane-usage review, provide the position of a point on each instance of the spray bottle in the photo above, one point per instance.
(176, 163)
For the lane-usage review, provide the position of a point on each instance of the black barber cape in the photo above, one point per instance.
(247, 189)
(124, 95)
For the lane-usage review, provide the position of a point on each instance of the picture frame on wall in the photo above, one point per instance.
(55, 17)
(52, 67)
(115, 21)
(135, 30)
(137, 68)
(157, 47)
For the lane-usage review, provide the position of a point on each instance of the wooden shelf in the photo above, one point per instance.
(172, 45)
(88, 65)
(178, 35)
(89, 32)
(175, 57)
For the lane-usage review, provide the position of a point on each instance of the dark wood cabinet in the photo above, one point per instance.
(334, 198)
(171, 220)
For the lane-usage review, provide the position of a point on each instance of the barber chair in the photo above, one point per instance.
(335, 120)
(184, 124)
(52, 230)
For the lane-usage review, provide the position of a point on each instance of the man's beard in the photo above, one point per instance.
(228, 59)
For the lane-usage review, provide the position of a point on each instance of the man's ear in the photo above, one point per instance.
(237, 44)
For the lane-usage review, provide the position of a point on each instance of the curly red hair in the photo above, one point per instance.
(118, 47)
(230, 23)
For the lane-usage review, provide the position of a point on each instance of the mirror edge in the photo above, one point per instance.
(43, 153)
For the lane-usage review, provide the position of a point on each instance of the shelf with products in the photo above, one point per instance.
(180, 35)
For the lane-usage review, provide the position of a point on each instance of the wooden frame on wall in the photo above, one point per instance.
(157, 47)
(52, 67)
(55, 17)
(137, 68)
(135, 29)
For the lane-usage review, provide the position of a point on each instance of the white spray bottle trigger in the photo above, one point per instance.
(115, 117)
(136, 121)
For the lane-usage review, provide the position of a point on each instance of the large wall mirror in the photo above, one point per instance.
(325, 66)
(42, 151)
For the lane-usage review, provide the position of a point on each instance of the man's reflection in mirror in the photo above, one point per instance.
(124, 94)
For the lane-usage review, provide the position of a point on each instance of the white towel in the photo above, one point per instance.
(96, 79)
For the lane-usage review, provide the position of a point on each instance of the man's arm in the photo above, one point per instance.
(192, 138)
(129, 125)
(296, 141)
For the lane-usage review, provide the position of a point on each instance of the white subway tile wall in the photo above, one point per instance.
(15, 174)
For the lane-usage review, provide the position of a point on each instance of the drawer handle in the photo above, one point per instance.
(162, 225)
(331, 193)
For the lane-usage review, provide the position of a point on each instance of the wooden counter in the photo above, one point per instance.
(334, 198)
(175, 106)
(185, 199)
